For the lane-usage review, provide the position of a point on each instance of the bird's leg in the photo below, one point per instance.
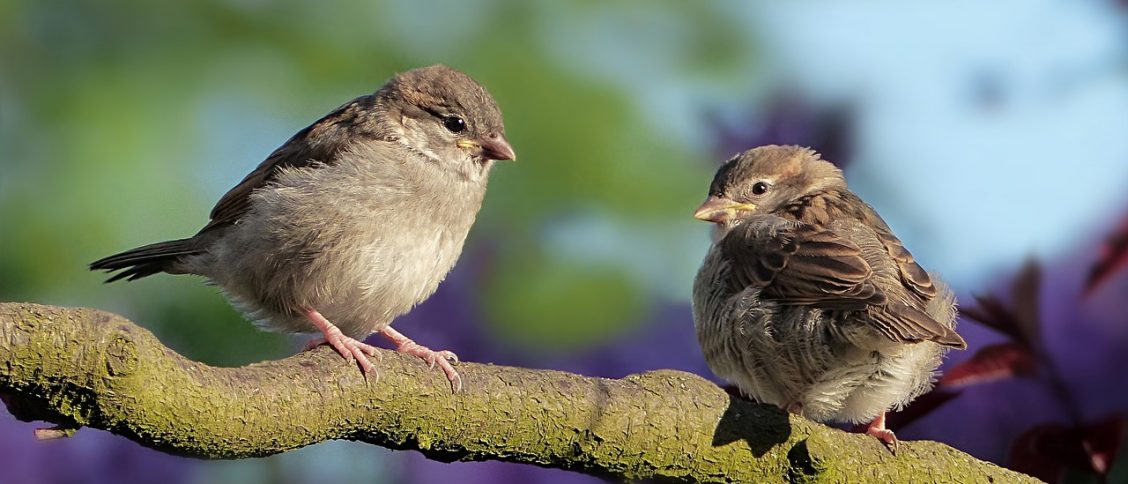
(441, 358)
(794, 407)
(877, 429)
(350, 349)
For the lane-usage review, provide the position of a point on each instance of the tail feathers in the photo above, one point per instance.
(145, 261)
(902, 322)
(951, 339)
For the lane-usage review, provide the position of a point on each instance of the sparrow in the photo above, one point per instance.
(806, 299)
(353, 221)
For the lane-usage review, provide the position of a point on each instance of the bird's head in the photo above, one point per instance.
(764, 180)
(446, 116)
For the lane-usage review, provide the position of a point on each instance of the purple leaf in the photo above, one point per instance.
(1023, 323)
(1026, 301)
(788, 119)
(1101, 442)
(1038, 452)
(991, 363)
(1114, 256)
(991, 312)
(1046, 450)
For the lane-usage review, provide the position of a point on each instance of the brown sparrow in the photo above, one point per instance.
(354, 220)
(808, 301)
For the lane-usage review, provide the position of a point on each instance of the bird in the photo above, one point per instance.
(808, 301)
(352, 221)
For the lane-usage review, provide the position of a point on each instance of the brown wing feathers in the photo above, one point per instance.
(913, 276)
(317, 143)
(803, 264)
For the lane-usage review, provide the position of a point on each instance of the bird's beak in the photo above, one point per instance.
(720, 210)
(492, 147)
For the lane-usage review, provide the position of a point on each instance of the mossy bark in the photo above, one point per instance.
(83, 367)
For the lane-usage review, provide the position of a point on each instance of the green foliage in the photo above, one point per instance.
(123, 121)
(578, 304)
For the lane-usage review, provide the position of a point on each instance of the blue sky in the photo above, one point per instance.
(986, 132)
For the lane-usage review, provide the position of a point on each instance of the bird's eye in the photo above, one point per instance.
(759, 188)
(454, 124)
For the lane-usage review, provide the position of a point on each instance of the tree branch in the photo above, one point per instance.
(83, 367)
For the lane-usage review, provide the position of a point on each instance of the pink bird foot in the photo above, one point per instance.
(442, 359)
(350, 349)
(877, 430)
(794, 407)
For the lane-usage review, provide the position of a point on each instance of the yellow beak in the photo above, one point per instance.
(491, 147)
(719, 210)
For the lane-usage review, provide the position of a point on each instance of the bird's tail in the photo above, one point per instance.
(145, 261)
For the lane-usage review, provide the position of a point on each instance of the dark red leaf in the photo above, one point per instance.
(991, 312)
(1027, 301)
(990, 363)
(1046, 450)
(1040, 451)
(1102, 442)
(1114, 256)
(920, 407)
(1022, 323)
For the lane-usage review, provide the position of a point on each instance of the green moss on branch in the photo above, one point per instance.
(83, 367)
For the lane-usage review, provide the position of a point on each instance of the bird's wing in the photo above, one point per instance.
(800, 264)
(318, 143)
(803, 264)
(913, 276)
(903, 321)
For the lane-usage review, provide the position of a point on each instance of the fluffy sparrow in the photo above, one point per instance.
(808, 301)
(354, 220)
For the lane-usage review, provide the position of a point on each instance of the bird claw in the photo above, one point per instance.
(876, 429)
(442, 359)
(886, 437)
(351, 349)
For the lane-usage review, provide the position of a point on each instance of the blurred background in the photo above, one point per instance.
(992, 137)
